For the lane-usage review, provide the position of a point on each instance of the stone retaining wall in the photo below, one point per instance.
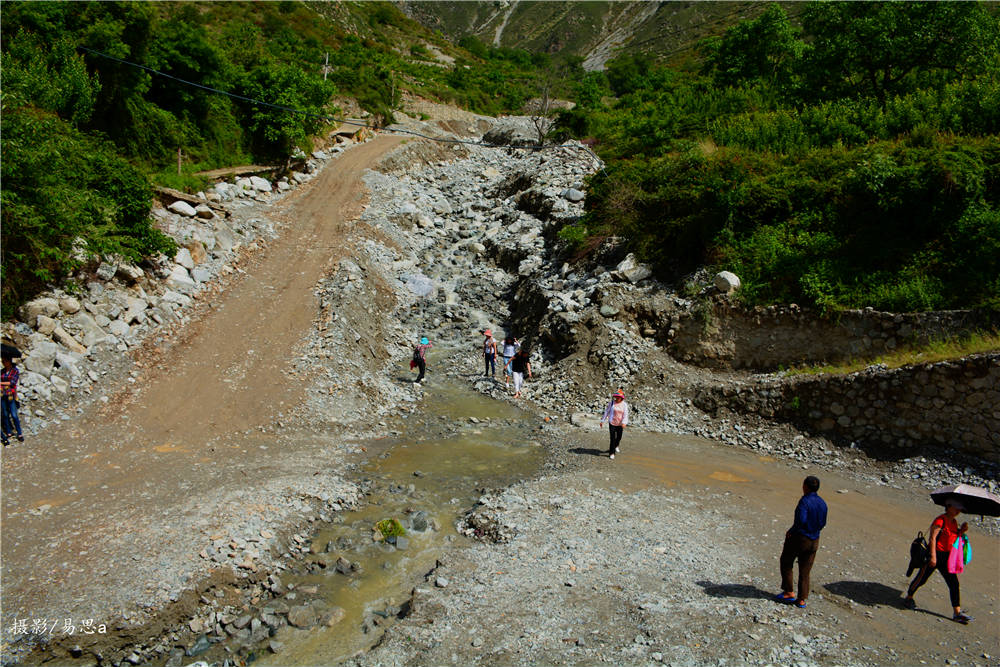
(719, 334)
(888, 413)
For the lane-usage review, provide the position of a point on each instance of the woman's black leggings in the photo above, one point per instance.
(616, 437)
(949, 578)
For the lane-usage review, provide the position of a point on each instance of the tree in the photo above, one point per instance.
(877, 49)
(767, 49)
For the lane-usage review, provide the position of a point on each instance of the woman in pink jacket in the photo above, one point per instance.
(616, 414)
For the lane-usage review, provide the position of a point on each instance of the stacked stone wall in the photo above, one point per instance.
(722, 335)
(888, 413)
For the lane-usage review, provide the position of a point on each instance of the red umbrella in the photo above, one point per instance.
(974, 500)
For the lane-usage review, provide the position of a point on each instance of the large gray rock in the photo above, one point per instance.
(130, 273)
(42, 358)
(59, 384)
(119, 328)
(70, 362)
(204, 212)
(106, 271)
(260, 184)
(179, 279)
(726, 282)
(632, 270)
(184, 258)
(44, 306)
(69, 305)
(135, 311)
(182, 208)
(174, 297)
(224, 238)
(572, 194)
(64, 338)
(91, 332)
(45, 325)
(200, 274)
(39, 384)
(512, 132)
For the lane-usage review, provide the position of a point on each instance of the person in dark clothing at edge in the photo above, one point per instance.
(802, 542)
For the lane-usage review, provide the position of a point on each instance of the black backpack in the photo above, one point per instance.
(919, 553)
(416, 355)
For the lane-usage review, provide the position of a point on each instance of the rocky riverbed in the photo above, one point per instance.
(454, 239)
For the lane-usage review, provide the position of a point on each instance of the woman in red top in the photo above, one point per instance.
(944, 531)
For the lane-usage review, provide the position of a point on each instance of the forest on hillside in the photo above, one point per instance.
(848, 157)
(849, 160)
(99, 97)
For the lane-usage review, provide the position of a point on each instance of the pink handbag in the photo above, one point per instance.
(956, 557)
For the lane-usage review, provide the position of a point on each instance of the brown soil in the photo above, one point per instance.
(125, 485)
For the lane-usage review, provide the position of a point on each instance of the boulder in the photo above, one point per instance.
(182, 208)
(63, 337)
(224, 238)
(243, 184)
(42, 358)
(31, 381)
(173, 297)
(45, 325)
(572, 194)
(135, 311)
(69, 305)
(106, 271)
(283, 186)
(129, 273)
(609, 311)
(43, 306)
(91, 332)
(302, 616)
(183, 257)
(59, 384)
(726, 282)
(179, 279)
(260, 184)
(203, 212)
(632, 270)
(70, 362)
(200, 274)
(512, 132)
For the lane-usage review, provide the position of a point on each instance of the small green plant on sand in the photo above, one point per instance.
(390, 528)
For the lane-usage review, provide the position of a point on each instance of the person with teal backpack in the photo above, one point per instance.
(945, 537)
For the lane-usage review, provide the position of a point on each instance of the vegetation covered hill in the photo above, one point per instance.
(85, 128)
(853, 161)
(590, 31)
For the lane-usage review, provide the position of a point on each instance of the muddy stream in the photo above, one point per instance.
(426, 477)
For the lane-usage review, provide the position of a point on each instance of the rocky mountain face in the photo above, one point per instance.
(597, 31)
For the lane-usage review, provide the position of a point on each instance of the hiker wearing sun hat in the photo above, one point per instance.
(490, 353)
(616, 414)
(420, 357)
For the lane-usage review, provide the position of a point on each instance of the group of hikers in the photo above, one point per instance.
(801, 540)
(516, 359)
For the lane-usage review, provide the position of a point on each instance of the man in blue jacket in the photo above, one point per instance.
(802, 542)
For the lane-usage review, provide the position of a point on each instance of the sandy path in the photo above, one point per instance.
(134, 477)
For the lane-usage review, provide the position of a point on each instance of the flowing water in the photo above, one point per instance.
(428, 476)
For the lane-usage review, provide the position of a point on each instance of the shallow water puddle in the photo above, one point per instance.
(424, 481)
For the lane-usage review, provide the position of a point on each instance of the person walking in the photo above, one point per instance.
(420, 357)
(490, 353)
(943, 533)
(509, 348)
(616, 414)
(10, 424)
(519, 365)
(802, 542)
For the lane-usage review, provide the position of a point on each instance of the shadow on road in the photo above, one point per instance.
(588, 450)
(868, 593)
(734, 591)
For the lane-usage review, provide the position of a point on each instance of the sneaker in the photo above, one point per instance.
(612, 457)
(20, 438)
(617, 449)
(909, 603)
(962, 617)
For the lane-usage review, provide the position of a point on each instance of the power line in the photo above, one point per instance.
(328, 117)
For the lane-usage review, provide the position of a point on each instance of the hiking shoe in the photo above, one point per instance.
(20, 438)
(909, 603)
(612, 457)
(962, 618)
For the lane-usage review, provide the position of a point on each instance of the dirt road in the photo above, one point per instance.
(92, 509)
